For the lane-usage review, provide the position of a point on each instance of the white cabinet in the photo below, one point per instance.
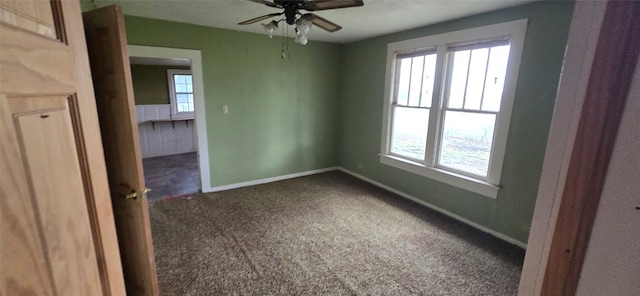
(160, 134)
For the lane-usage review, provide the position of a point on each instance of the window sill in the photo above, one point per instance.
(467, 183)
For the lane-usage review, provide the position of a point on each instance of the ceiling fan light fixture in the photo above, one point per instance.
(270, 28)
(301, 39)
(303, 26)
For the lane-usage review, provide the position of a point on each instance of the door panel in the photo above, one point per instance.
(111, 72)
(54, 175)
(21, 243)
(57, 234)
(36, 61)
(29, 15)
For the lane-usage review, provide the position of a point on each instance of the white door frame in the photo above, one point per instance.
(198, 93)
(579, 85)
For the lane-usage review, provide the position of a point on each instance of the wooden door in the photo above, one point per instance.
(109, 58)
(57, 234)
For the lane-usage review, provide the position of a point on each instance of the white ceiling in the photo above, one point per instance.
(376, 17)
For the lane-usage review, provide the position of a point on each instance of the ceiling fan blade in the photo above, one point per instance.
(264, 17)
(267, 3)
(331, 4)
(322, 22)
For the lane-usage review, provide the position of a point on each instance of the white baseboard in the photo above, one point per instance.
(437, 209)
(385, 187)
(269, 180)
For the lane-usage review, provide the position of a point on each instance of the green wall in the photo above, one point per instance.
(282, 112)
(86, 5)
(150, 84)
(362, 106)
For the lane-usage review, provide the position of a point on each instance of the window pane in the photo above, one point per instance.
(181, 87)
(496, 72)
(189, 87)
(416, 80)
(183, 107)
(458, 78)
(403, 81)
(190, 108)
(466, 141)
(185, 102)
(178, 79)
(429, 77)
(475, 81)
(182, 98)
(188, 79)
(409, 132)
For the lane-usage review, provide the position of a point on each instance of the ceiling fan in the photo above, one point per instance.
(292, 11)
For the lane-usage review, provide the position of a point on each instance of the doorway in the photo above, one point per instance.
(172, 138)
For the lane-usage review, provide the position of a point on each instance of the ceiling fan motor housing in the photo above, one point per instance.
(290, 9)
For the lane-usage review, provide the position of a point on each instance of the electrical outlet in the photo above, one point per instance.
(225, 109)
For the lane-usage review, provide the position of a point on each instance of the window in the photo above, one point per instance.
(448, 104)
(181, 93)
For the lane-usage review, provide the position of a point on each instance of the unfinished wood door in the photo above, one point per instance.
(57, 234)
(111, 74)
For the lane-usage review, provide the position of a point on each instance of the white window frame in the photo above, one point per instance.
(172, 94)
(489, 186)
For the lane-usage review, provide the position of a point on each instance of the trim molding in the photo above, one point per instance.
(580, 51)
(198, 93)
(269, 180)
(440, 210)
(607, 91)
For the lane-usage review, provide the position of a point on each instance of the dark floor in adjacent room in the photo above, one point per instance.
(171, 175)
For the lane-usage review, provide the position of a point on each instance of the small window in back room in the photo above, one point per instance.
(181, 93)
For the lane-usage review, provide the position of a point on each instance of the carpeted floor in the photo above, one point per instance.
(326, 234)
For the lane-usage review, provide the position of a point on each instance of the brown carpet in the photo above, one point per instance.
(326, 234)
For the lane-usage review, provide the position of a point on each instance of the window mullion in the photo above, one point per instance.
(392, 115)
(466, 82)
(436, 101)
(410, 81)
(484, 84)
(411, 107)
(424, 62)
(396, 84)
(472, 111)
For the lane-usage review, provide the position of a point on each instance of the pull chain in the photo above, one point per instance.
(285, 47)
